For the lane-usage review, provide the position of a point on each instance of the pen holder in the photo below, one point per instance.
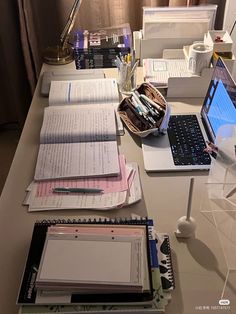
(153, 117)
(126, 79)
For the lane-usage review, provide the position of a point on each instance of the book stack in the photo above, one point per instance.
(95, 266)
(99, 48)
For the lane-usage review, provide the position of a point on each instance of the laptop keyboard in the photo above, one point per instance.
(186, 141)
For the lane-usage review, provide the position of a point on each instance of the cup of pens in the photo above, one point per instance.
(127, 70)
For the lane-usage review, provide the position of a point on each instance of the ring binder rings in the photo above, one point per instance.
(117, 220)
(28, 293)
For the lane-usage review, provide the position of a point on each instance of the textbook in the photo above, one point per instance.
(86, 92)
(77, 142)
(99, 48)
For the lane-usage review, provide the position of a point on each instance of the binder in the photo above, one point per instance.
(28, 293)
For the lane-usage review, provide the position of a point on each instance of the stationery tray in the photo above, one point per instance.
(154, 120)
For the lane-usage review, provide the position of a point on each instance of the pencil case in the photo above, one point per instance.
(154, 120)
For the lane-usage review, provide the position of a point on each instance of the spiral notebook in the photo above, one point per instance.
(165, 261)
(29, 295)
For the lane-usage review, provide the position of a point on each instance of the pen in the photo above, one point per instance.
(143, 108)
(231, 192)
(151, 102)
(76, 190)
(136, 105)
(149, 107)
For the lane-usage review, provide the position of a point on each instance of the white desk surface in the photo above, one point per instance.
(198, 263)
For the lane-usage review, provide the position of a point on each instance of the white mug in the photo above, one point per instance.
(199, 57)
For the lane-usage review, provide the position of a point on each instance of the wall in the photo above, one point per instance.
(229, 19)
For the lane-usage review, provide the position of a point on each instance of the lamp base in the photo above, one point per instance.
(57, 55)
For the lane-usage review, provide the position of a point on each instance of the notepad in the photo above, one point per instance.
(87, 261)
(95, 261)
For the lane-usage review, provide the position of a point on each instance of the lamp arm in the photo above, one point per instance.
(69, 24)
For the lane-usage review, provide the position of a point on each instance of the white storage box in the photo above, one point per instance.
(220, 40)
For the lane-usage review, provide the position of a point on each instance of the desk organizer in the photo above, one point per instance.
(219, 40)
(139, 124)
(194, 86)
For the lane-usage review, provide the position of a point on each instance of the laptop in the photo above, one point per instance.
(181, 149)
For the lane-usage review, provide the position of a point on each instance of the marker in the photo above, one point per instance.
(76, 190)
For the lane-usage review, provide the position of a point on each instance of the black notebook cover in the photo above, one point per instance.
(28, 293)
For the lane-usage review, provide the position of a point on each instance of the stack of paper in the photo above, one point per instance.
(118, 191)
(158, 71)
(178, 22)
(106, 266)
(120, 255)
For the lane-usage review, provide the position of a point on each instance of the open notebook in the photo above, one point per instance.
(77, 142)
(182, 148)
(86, 92)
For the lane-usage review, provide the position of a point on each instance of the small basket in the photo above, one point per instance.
(138, 124)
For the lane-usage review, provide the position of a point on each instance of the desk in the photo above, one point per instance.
(198, 263)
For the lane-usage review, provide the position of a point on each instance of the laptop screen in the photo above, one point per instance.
(219, 106)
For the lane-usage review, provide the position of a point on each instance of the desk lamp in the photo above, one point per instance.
(62, 53)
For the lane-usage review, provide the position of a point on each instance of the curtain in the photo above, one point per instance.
(29, 26)
(14, 85)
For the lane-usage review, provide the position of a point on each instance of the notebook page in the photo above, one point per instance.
(69, 124)
(91, 259)
(83, 91)
(71, 160)
(107, 184)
